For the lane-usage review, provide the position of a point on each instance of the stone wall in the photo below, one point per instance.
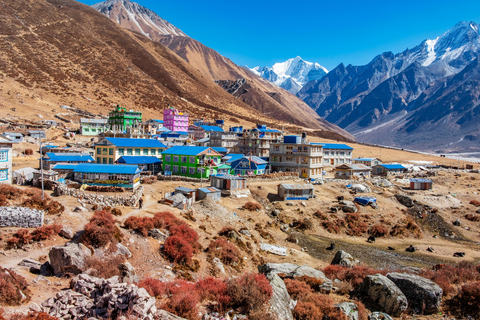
(96, 198)
(21, 217)
(249, 178)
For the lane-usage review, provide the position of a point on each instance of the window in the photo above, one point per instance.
(175, 158)
(184, 159)
(191, 170)
(168, 158)
(3, 174)
(85, 129)
(129, 152)
(200, 170)
(326, 153)
(342, 153)
(137, 152)
(183, 170)
(99, 150)
(3, 155)
(99, 160)
(325, 160)
(110, 151)
(192, 159)
(168, 167)
(153, 152)
(145, 152)
(175, 169)
(110, 161)
(121, 151)
(104, 160)
(105, 151)
(305, 148)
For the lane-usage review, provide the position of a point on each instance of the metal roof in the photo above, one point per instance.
(227, 176)
(297, 186)
(85, 120)
(266, 130)
(421, 180)
(233, 156)
(253, 159)
(107, 168)
(163, 129)
(211, 128)
(187, 150)
(184, 189)
(354, 167)
(392, 166)
(65, 166)
(364, 159)
(337, 146)
(209, 189)
(220, 149)
(138, 143)
(156, 120)
(79, 157)
(138, 159)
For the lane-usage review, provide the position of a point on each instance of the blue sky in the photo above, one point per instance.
(328, 32)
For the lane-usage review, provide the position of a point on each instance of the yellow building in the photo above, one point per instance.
(108, 150)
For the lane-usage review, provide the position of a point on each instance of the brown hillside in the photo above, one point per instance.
(63, 52)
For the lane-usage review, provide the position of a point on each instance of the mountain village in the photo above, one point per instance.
(162, 181)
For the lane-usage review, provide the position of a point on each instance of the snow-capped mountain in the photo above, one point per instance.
(292, 74)
(133, 16)
(384, 101)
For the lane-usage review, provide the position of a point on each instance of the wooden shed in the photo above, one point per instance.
(228, 182)
(296, 191)
(209, 192)
(420, 184)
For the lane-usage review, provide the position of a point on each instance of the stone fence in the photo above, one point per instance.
(21, 217)
(95, 198)
(249, 178)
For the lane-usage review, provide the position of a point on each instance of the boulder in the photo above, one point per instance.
(80, 209)
(344, 259)
(348, 206)
(280, 302)
(245, 232)
(360, 188)
(292, 270)
(378, 292)
(422, 294)
(457, 223)
(349, 308)
(379, 316)
(164, 315)
(69, 258)
(219, 265)
(127, 273)
(46, 270)
(405, 200)
(157, 234)
(123, 251)
(30, 263)
(66, 233)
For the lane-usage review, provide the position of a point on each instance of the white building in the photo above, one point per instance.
(335, 154)
(6, 155)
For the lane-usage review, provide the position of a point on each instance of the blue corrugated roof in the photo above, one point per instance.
(212, 128)
(139, 143)
(209, 189)
(163, 129)
(339, 146)
(183, 133)
(393, 166)
(107, 168)
(363, 159)
(156, 120)
(220, 149)
(79, 157)
(185, 150)
(233, 156)
(421, 180)
(255, 159)
(64, 166)
(138, 159)
(266, 130)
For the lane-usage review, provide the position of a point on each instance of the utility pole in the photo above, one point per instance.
(41, 165)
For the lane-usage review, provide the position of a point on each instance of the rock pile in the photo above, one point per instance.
(98, 199)
(21, 217)
(97, 297)
(344, 259)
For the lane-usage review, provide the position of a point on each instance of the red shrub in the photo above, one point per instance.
(141, 225)
(31, 316)
(298, 290)
(226, 251)
(166, 220)
(3, 200)
(105, 266)
(185, 232)
(252, 206)
(184, 304)
(9, 191)
(472, 217)
(101, 230)
(178, 250)
(312, 282)
(28, 152)
(357, 229)
(45, 232)
(466, 302)
(225, 231)
(12, 286)
(354, 275)
(378, 231)
(214, 290)
(476, 203)
(352, 216)
(19, 239)
(317, 306)
(447, 276)
(331, 226)
(154, 287)
(320, 215)
(250, 291)
(335, 271)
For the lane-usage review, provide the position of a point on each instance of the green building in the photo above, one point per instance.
(93, 127)
(191, 161)
(119, 119)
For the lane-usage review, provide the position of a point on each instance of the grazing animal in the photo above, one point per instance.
(332, 246)
(430, 249)
(438, 267)
(459, 254)
(391, 248)
(411, 249)
(340, 198)
(371, 239)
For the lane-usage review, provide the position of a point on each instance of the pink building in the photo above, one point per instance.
(175, 120)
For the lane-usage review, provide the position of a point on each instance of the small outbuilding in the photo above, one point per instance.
(296, 191)
(384, 169)
(187, 192)
(420, 184)
(228, 182)
(209, 192)
(370, 162)
(348, 171)
(14, 136)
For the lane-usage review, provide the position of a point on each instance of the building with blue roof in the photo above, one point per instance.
(50, 159)
(108, 150)
(371, 162)
(232, 157)
(336, 154)
(386, 169)
(145, 163)
(248, 165)
(118, 175)
(191, 161)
